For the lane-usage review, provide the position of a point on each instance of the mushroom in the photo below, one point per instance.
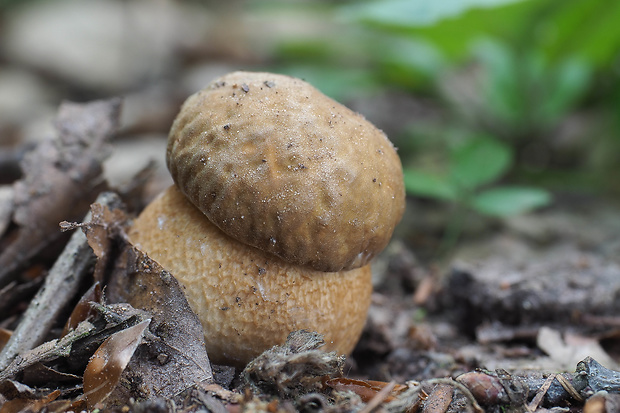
(282, 197)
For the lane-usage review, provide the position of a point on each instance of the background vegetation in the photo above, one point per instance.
(496, 106)
(523, 95)
(513, 77)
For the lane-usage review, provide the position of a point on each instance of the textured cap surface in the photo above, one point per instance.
(246, 300)
(278, 165)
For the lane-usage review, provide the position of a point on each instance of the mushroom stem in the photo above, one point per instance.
(248, 300)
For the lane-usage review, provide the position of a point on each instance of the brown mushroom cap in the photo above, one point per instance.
(246, 300)
(279, 166)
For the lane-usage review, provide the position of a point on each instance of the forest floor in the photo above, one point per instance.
(518, 316)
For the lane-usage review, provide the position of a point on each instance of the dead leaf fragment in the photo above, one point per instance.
(83, 309)
(568, 349)
(47, 351)
(366, 389)
(439, 399)
(105, 367)
(29, 405)
(174, 358)
(60, 286)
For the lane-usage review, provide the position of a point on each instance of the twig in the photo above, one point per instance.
(570, 389)
(464, 390)
(47, 351)
(61, 285)
(378, 398)
(537, 400)
(439, 399)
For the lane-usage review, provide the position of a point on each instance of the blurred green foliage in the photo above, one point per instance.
(522, 92)
(475, 163)
(585, 29)
(536, 78)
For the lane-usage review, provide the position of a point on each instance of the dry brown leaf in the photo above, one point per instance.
(62, 176)
(174, 358)
(61, 285)
(106, 225)
(28, 405)
(47, 351)
(83, 309)
(439, 399)
(61, 358)
(366, 389)
(5, 335)
(105, 367)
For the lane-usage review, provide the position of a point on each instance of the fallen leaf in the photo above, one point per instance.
(61, 284)
(567, 351)
(62, 176)
(70, 354)
(174, 357)
(105, 367)
(366, 389)
(5, 335)
(83, 309)
(28, 405)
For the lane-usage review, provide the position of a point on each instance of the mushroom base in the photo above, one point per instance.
(246, 300)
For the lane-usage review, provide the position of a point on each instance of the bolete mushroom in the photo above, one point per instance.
(282, 198)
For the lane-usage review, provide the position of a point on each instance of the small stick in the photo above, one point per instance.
(439, 400)
(540, 394)
(61, 285)
(379, 398)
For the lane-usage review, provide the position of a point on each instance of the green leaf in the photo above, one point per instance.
(423, 184)
(500, 88)
(416, 13)
(409, 54)
(587, 29)
(479, 161)
(451, 36)
(508, 201)
(568, 82)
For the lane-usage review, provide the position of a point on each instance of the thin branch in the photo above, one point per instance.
(61, 285)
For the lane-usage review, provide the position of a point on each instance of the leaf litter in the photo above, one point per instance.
(110, 329)
(62, 176)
